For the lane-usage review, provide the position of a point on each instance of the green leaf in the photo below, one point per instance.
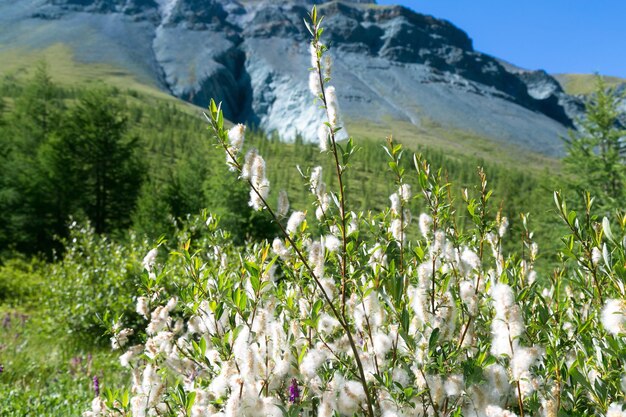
(579, 378)
(302, 354)
(317, 307)
(213, 108)
(191, 399)
(405, 319)
(308, 27)
(220, 121)
(606, 227)
(203, 346)
(571, 217)
(253, 270)
(434, 338)
(606, 255)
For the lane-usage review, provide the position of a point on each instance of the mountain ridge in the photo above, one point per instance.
(390, 63)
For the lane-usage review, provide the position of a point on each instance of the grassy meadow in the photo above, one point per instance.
(584, 84)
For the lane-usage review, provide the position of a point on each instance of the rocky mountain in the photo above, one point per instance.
(390, 63)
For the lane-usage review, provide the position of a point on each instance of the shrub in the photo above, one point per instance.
(93, 283)
(20, 280)
(343, 315)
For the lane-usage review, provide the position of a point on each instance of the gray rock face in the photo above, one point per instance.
(621, 90)
(130, 7)
(390, 63)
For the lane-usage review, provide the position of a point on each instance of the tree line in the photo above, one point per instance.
(123, 162)
(64, 155)
(105, 156)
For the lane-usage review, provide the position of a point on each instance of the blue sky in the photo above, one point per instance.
(576, 36)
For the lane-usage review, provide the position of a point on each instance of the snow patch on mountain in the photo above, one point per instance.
(165, 9)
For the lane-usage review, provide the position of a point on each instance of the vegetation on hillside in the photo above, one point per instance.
(595, 157)
(585, 84)
(345, 313)
(121, 225)
(163, 169)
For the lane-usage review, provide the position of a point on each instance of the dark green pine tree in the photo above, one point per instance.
(4, 161)
(38, 109)
(26, 220)
(96, 162)
(595, 159)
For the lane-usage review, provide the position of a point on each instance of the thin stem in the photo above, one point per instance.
(401, 269)
(342, 212)
(342, 207)
(341, 318)
(465, 330)
(327, 299)
(430, 397)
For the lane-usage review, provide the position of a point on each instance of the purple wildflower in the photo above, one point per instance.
(1, 369)
(6, 322)
(294, 391)
(96, 386)
(75, 363)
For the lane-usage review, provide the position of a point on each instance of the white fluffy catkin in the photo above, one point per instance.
(283, 204)
(332, 106)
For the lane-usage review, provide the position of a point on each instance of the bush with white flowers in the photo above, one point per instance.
(349, 313)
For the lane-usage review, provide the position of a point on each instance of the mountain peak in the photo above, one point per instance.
(390, 63)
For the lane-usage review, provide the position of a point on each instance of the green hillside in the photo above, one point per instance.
(179, 153)
(585, 83)
(66, 71)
